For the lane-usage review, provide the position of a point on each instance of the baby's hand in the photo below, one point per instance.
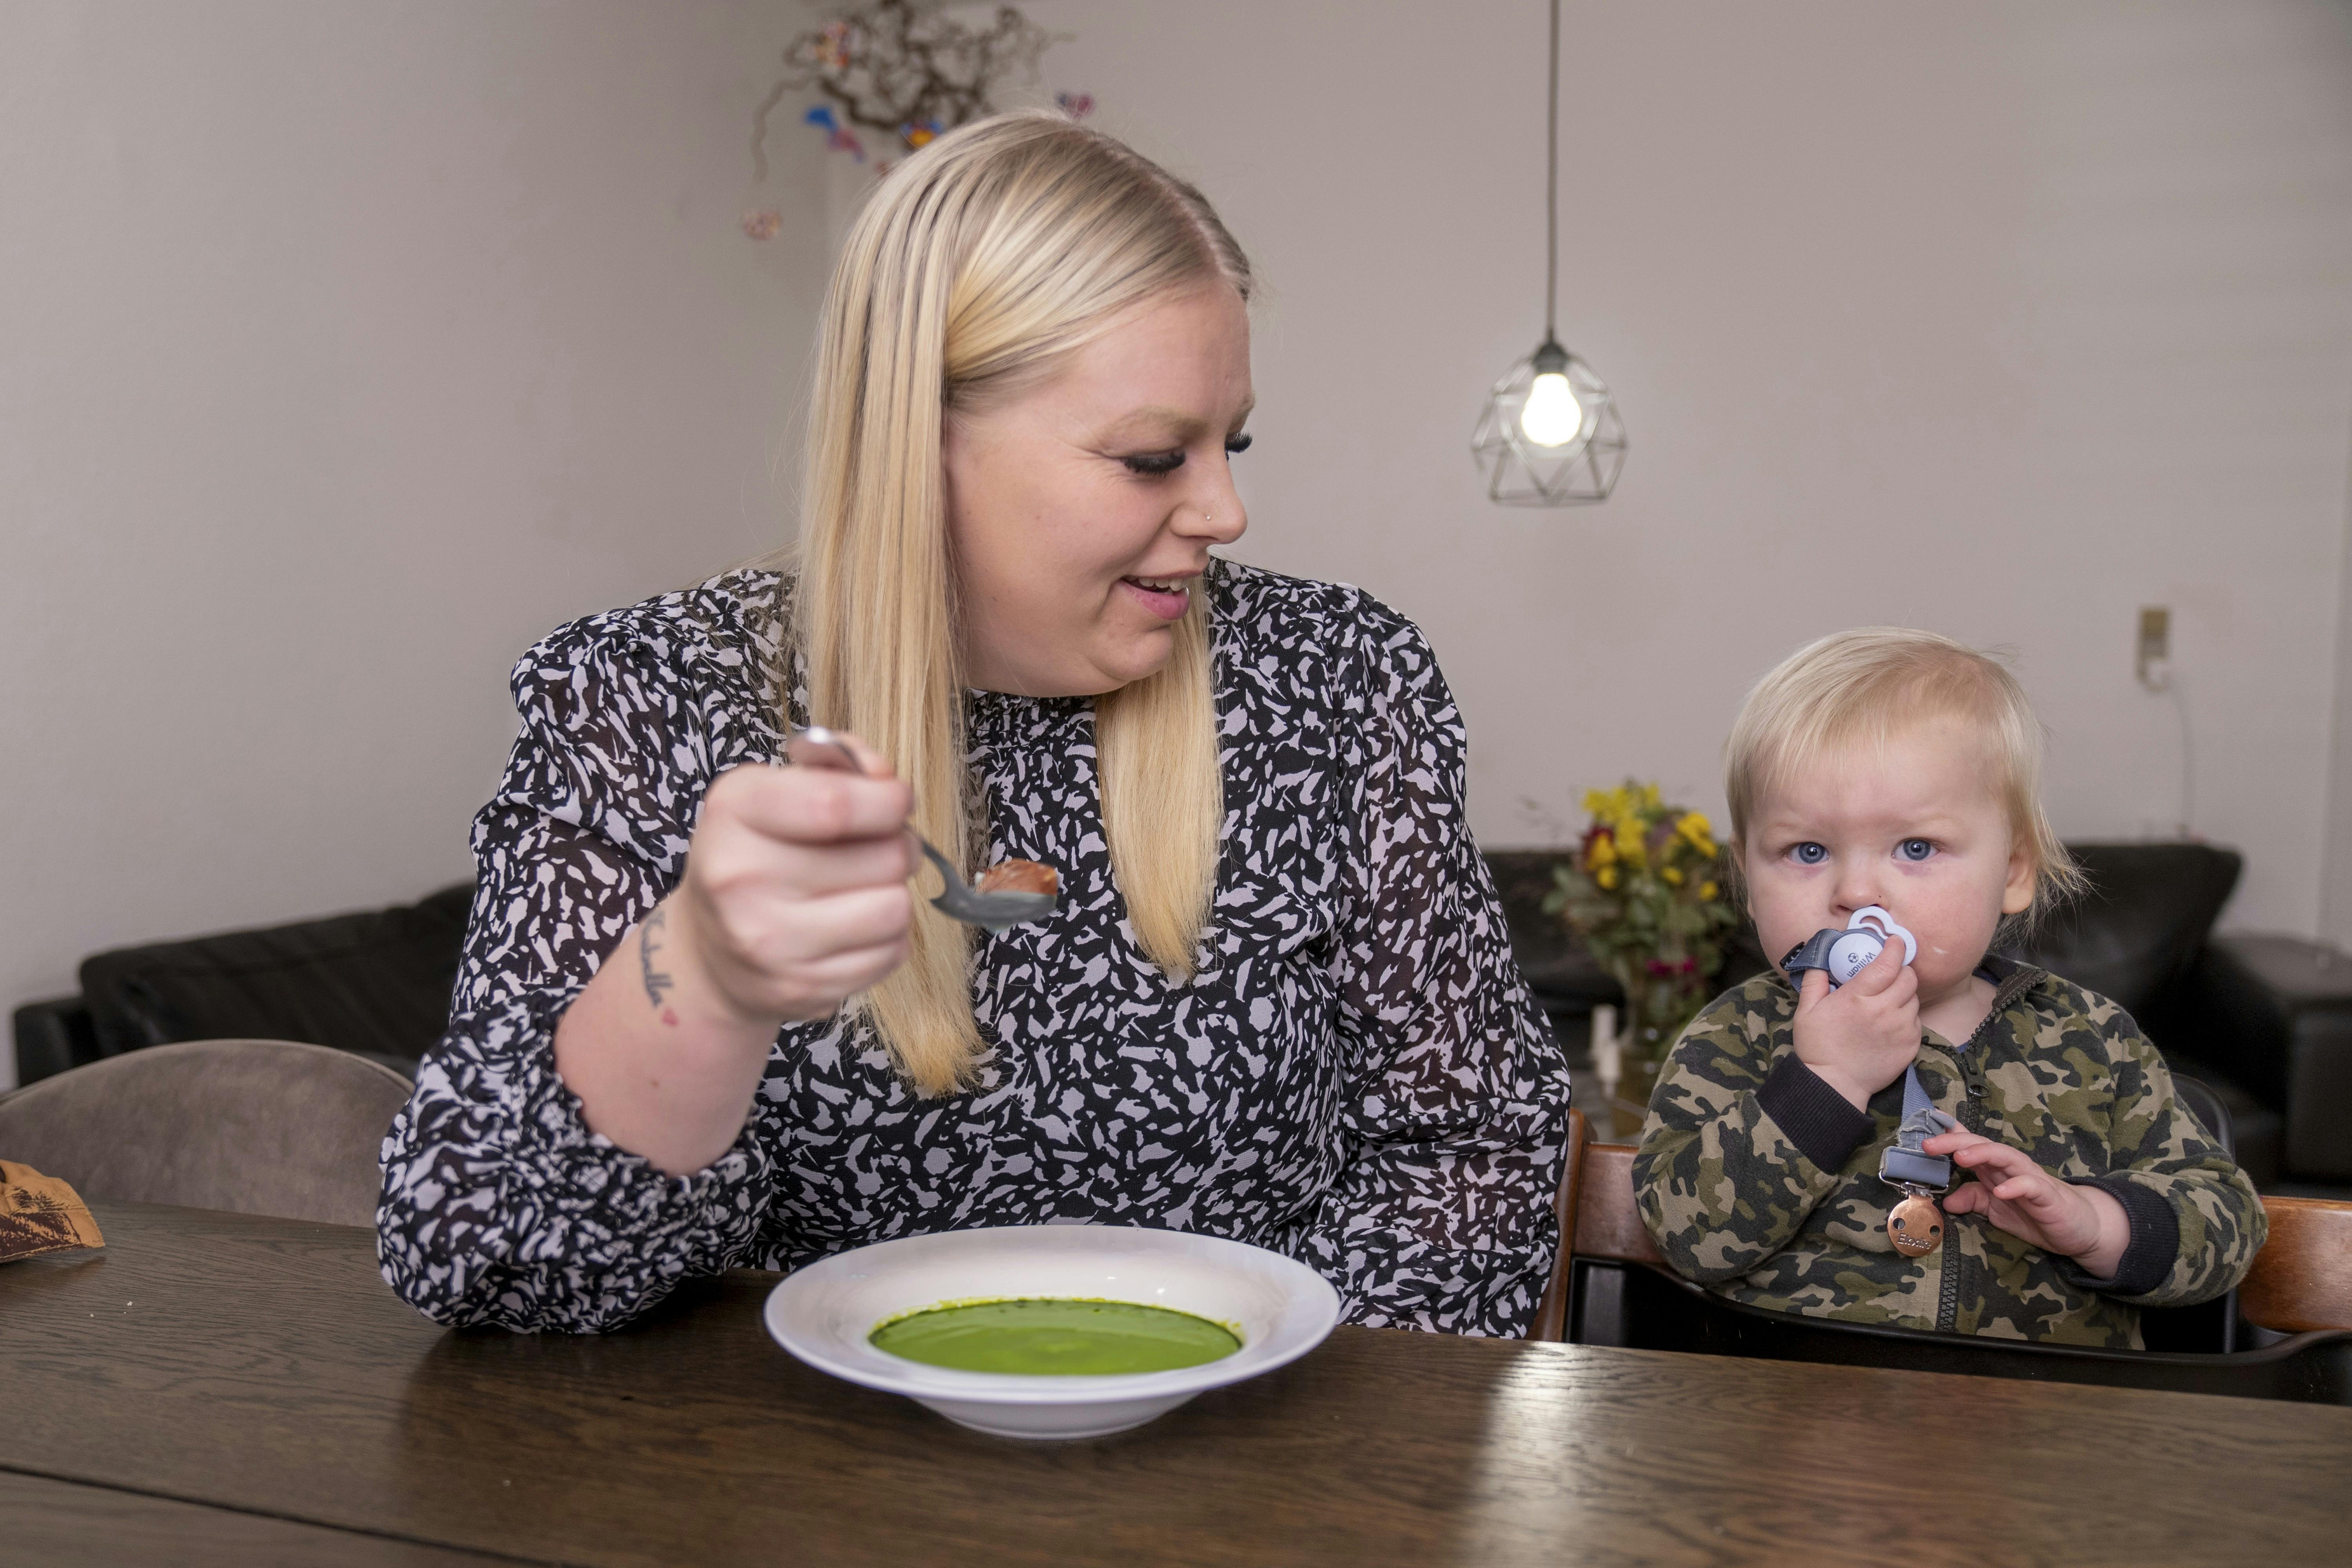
(1859, 1038)
(2021, 1198)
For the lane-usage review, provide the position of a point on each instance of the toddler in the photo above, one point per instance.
(1900, 770)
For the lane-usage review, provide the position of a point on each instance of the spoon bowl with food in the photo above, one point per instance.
(1009, 893)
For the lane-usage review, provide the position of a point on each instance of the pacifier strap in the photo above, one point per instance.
(1906, 1164)
(1915, 1225)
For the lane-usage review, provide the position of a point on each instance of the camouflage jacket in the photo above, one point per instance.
(1759, 1181)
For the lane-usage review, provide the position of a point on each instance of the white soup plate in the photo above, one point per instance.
(823, 1314)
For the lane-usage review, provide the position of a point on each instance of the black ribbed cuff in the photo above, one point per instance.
(1822, 1122)
(2154, 1247)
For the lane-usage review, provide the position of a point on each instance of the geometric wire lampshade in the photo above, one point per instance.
(1549, 434)
(1580, 465)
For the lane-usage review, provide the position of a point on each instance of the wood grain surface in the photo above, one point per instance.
(2301, 1278)
(262, 1364)
(1608, 1223)
(64, 1525)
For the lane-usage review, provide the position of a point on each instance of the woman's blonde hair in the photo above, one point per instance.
(975, 269)
(1865, 686)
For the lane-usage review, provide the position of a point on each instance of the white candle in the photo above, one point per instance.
(1606, 1062)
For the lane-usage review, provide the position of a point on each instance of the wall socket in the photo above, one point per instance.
(2153, 662)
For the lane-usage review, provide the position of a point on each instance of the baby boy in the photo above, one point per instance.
(1900, 771)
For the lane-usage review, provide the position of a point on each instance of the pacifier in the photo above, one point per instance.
(1843, 954)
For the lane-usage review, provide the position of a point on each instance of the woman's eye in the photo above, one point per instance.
(1155, 463)
(1914, 849)
(1236, 445)
(1809, 854)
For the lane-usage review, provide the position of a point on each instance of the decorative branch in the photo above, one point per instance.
(910, 74)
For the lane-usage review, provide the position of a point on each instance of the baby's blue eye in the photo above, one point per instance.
(1809, 854)
(1914, 849)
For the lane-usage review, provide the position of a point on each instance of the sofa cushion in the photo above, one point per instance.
(1559, 968)
(1567, 980)
(2136, 935)
(376, 984)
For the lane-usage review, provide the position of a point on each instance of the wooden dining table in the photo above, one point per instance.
(223, 1388)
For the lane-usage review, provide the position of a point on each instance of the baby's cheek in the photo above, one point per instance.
(1950, 950)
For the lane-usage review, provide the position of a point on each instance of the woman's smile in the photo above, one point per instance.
(1167, 597)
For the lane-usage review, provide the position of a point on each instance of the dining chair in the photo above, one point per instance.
(267, 1127)
(1598, 1220)
(2302, 1279)
(1609, 1286)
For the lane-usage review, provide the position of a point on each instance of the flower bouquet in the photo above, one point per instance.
(1645, 892)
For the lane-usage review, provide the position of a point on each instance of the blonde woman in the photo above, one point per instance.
(705, 1020)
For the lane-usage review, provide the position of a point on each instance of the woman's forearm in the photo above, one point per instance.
(795, 899)
(663, 1066)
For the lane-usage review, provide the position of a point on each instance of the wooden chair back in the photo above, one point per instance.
(2301, 1280)
(1597, 1219)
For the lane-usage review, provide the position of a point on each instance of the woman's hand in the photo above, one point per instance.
(795, 899)
(795, 894)
(1859, 1038)
(2019, 1197)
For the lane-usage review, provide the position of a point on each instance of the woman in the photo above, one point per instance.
(702, 1023)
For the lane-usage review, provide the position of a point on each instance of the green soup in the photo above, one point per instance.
(1055, 1337)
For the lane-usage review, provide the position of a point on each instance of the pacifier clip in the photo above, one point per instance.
(1915, 1225)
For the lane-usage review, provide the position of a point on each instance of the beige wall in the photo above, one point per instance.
(348, 348)
(2003, 320)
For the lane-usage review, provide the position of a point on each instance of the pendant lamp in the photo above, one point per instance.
(1550, 434)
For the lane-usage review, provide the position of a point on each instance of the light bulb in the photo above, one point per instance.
(1551, 416)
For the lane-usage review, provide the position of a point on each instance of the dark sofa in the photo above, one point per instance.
(376, 984)
(2264, 1021)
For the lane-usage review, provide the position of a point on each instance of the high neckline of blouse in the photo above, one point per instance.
(1005, 712)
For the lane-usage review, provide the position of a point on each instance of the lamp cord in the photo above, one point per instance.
(1551, 187)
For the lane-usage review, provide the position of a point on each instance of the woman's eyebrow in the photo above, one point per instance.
(1173, 422)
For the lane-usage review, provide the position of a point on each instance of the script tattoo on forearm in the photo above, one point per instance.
(657, 981)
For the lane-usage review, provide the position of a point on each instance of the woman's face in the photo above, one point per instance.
(1081, 510)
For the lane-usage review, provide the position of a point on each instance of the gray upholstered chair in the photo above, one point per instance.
(253, 1126)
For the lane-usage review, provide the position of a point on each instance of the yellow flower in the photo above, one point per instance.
(1695, 830)
(1674, 876)
(1606, 876)
(1706, 892)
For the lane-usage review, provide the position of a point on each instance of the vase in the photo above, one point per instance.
(1636, 1078)
(1660, 1000)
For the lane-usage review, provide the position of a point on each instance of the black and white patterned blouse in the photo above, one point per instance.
(1355, 1077)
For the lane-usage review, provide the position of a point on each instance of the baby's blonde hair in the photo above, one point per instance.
(1868, 685)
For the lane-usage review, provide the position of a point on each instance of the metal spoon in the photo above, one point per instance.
(817, 746)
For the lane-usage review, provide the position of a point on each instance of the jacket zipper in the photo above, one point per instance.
(1947, 1306)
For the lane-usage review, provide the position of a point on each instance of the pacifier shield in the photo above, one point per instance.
(1873, 918)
